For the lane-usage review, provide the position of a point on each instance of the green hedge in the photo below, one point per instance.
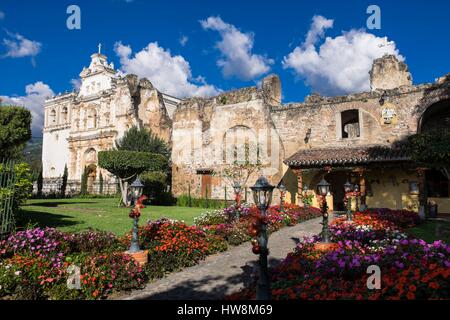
(124, 163)
(186, 201)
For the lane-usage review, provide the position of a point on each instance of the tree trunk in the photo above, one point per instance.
(123, 191)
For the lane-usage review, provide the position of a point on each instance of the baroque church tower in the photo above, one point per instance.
(80, 124)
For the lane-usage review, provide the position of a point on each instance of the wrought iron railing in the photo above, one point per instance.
(7, 186)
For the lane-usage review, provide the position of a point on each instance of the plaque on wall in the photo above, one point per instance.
(388, 114)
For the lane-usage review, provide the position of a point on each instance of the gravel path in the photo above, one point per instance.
(223, 273)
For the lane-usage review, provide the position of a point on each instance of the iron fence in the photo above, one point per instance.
(7, 185)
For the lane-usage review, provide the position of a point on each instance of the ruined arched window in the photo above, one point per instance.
(436, 117)
(350, 124)
(64, 114)
(52, 116)
(240, 144)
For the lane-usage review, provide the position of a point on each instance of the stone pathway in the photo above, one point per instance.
(223, 273)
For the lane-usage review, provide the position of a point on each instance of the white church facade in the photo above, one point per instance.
(78, 125)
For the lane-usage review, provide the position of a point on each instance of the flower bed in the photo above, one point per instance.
(410, 268)
(34, 263)
(236, 231)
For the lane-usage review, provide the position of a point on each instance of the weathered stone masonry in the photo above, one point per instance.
(202, 131)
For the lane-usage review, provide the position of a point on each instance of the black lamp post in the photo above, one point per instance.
(282, 189)
(348, 187)
(262, 195)
(323, 188)
(356, 189)
(136, 191)
(304, 194)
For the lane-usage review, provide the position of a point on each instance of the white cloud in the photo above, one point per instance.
(170, 74)
(236, 49)
(2, 15)
(18, 46)
(76, 83)
(340, 65)
(317, 30)
(183, 40)
(36, 94)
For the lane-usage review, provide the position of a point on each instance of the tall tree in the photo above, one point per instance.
(125, 165)
(84, 180)
(143, 140)
(64, 182)
(15, 124)
(101, 183)
(40, 183)
(432, 149)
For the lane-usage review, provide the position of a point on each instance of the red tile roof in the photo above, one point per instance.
(346, 156)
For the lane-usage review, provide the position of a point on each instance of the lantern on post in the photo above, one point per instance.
(348, 188)
(136, 191)
(262, 195)
(282, 189)
(356, 190)
(323, 188)
(237, 192)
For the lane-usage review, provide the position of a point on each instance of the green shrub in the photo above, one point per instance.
(155, 187)
(186, 201)
(15, 123)
(22, 187)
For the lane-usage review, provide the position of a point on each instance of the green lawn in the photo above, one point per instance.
(78, 214)
(430, 231)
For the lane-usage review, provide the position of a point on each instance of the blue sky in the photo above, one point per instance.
(185, 53)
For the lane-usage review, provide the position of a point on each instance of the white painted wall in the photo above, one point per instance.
(55, 153)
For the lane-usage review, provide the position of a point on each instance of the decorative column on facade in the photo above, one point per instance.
(422, 192)
(298, 173)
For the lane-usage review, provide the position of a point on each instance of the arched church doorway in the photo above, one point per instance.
(91, 177)
(90, 163)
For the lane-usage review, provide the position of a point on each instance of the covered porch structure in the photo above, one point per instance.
(386, 176)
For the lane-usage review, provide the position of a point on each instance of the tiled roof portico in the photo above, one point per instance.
(346, 156)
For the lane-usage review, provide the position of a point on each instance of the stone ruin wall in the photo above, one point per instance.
(259, 110)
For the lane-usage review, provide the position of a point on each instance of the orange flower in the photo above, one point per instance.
(410, 296)
(434, 285)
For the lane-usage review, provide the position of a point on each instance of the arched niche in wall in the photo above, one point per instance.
(92, 119)
(64, 115)
(52, 117)
(435, 117)
(240, 143)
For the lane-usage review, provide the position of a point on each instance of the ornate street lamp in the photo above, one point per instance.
(136, 191)
(282, 189)
(356, 190)
(262, 195)
(323, 188)
(348, 187)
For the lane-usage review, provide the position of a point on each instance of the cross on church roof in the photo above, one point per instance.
(385, 44)
(99, 48)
